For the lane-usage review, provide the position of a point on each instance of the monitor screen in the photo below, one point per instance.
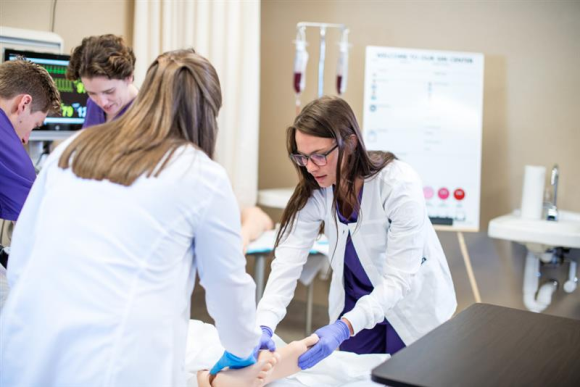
(72, 93)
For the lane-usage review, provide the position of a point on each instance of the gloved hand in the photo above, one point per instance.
(266, 341)
(232, 361)
(331, 336)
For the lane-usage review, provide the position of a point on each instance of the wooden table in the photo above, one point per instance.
(488, 345)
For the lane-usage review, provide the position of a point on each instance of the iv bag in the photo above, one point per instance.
(300, 62)
(342, 68)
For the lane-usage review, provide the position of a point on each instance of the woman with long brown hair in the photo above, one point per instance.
(106, 250)
(391, 282)
(105, 64)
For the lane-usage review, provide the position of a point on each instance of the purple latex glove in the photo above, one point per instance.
(266, 341)
(331, 336)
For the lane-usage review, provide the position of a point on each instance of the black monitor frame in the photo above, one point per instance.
(52, 122)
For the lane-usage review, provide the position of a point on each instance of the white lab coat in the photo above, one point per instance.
(391, 238)
(101, 276)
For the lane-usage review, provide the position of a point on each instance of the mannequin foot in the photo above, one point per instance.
(252, 376)
(288, 357)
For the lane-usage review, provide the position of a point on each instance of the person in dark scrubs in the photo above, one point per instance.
(105, 65)
(382, 338)
(27, 95)
(391, 283)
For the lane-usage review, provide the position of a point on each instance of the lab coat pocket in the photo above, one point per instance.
(374, 234)
(370, 240)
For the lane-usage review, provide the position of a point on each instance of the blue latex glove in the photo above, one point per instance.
(331, 336)
(266, 341)
(232, 361)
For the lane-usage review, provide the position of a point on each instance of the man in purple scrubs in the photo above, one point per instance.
(27, 95)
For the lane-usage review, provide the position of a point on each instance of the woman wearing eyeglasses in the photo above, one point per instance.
(390, 282)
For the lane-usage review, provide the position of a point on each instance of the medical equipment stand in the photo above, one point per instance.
(279, 197)
(259, 266)
(322, 51)
(314, 264)
(466, 257)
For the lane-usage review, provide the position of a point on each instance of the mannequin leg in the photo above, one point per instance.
(288, 362)
(254, 223)
(252, 376)
(270, 367)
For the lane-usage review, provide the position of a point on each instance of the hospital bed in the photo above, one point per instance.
(343, 369)
(317, 262)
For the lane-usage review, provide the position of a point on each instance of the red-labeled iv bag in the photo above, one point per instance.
(300, 62)
(342, 67)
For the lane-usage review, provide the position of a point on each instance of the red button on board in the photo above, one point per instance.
(459, 194)
(443, 193)
(428, 192)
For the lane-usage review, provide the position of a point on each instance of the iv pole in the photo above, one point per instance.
(279, 197)
(301, 27)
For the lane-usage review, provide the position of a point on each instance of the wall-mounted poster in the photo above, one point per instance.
(426, 107)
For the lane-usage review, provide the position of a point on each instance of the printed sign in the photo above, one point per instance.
(426, 107)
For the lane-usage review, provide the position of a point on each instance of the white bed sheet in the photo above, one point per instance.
(342, 369)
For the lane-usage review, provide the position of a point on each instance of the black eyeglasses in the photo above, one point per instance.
(318, 159)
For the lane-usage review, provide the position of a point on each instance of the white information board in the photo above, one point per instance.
(426, 107)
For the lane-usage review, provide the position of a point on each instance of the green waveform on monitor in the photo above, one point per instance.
(55, 69)
(67, 86)
(64, 85)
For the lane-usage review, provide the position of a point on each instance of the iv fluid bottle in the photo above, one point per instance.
(300, 62)
(297, 81)
(342, 68)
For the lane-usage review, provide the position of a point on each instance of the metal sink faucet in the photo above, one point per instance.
(552, 208)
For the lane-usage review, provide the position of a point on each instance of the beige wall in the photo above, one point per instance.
(74, 20)
(532, 79)
(532, 76)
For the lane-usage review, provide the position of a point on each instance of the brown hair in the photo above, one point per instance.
(331, 117)
(21, 76)
(177, 105)
(101, 56)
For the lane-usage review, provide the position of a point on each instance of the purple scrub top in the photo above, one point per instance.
(97, 116)
(382, 338)
(17, 172)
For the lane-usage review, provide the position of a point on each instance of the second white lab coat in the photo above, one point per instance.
(397, 246)
(101, 276)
